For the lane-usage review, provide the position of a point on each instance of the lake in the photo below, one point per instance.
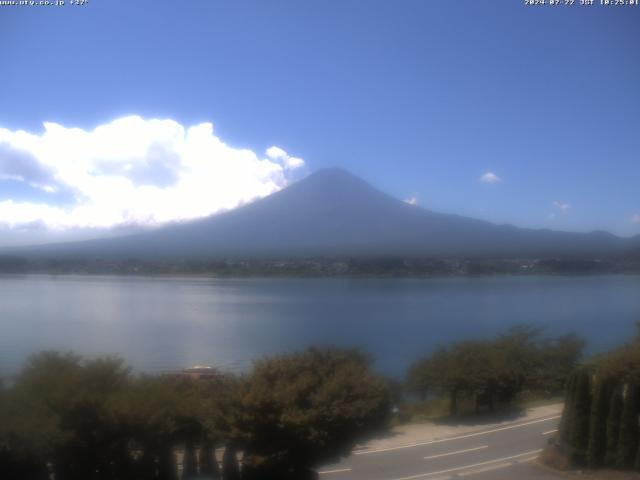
(160, 323)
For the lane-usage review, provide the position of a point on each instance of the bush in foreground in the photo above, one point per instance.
(93, 420)
(300, 410)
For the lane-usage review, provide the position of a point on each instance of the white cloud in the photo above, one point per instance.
(490, 177)
(562, 207)
(412, 200)
(635, 218)
(134, 171)
(276, 153)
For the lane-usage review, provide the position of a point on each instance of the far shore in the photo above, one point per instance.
(325, 267)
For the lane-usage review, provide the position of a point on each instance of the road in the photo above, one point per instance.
(501, 452)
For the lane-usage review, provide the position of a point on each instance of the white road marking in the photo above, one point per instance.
(455, 453)
(484, 469)
(466, 467)
(529, 459)
(338, 470)
(550, 431)
(519, 425)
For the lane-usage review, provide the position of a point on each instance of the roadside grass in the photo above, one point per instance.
(436, 409)
(532, 401)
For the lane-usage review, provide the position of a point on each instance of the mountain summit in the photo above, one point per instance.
(333, 213)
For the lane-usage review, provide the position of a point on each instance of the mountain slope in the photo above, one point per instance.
(333, 212)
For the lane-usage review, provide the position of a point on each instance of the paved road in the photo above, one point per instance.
(503, 452)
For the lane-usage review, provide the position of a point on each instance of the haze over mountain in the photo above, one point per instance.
(334, 213)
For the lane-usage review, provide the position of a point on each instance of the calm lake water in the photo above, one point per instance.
(167, 323)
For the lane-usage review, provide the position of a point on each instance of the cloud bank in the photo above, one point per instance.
(132, 171)
(635, 219)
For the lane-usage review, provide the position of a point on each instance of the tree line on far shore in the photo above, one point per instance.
(70, 418)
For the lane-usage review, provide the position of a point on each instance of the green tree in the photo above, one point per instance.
(597, 446)
(433, 374)
(492, 371)
(518, 361)
(463, 369)
(579, 427)
(557, 357)
(613, 426)
(628, 441)
(564, 429)
(303, 409)
(59, 412)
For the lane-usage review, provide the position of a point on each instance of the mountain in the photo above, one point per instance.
(333, 213)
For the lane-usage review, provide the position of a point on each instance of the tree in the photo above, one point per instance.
(59, 413)
(230, 470)
(461, 369)
(302, 409)
(597, 445)
(495, 371)
(473, 372)
(628, 441)
(518, 361)
(162, 413)
(426, 376)
(579, 428)
(564, 429)
(218, 413)
(613, 426)
(607, 391)
(557, 357)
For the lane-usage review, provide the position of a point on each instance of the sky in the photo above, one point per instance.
(117, 115)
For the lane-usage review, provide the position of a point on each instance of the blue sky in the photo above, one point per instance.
(421, 98)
